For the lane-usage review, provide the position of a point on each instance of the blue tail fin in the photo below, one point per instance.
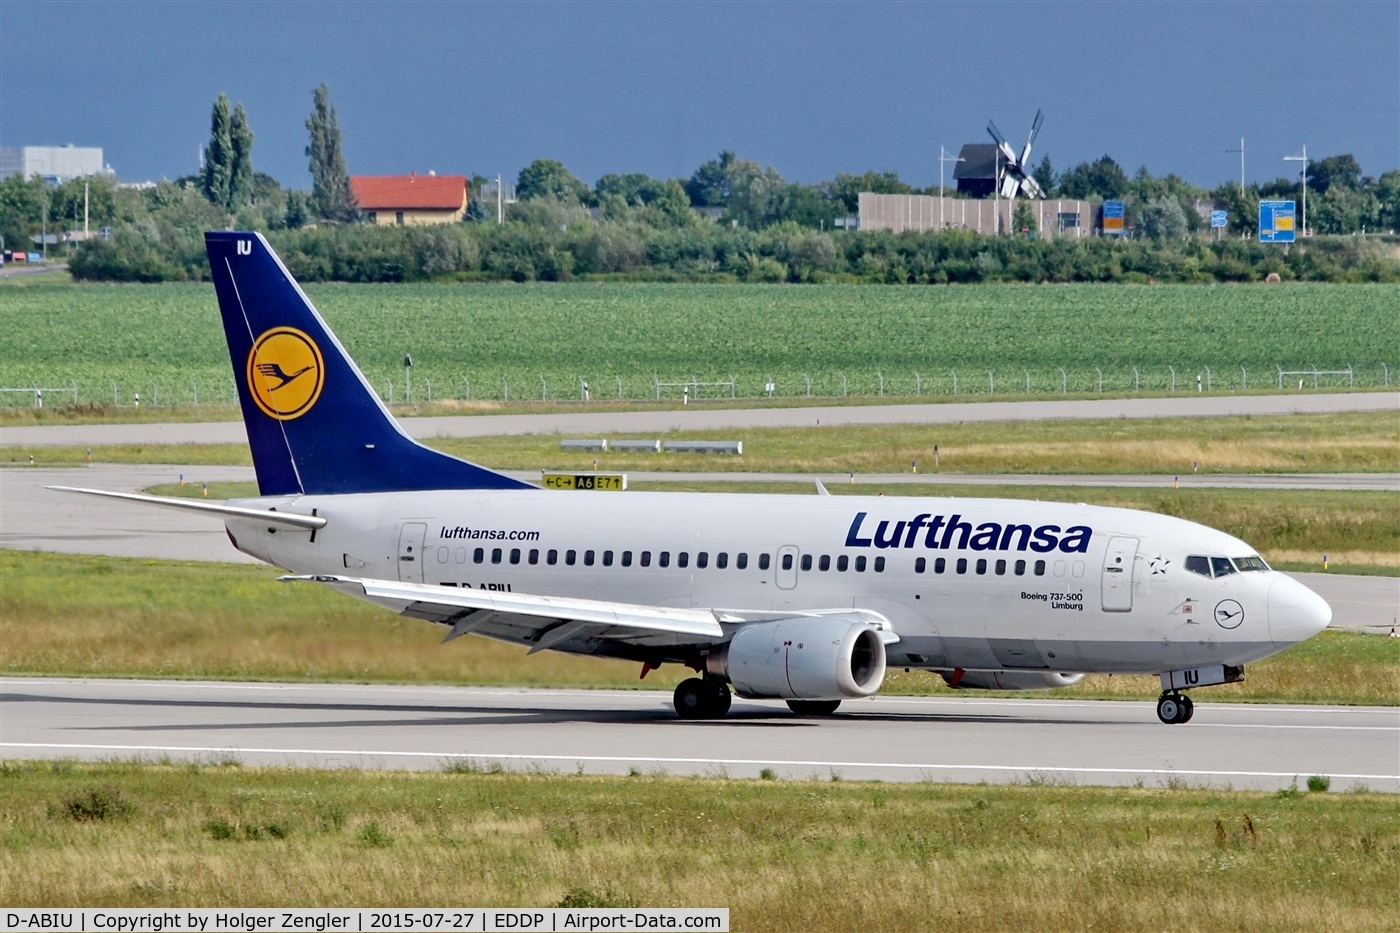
(314, 424)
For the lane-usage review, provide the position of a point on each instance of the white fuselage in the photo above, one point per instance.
(978, 584)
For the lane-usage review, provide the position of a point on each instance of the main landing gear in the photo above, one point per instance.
(702, 699)
(1175, 708)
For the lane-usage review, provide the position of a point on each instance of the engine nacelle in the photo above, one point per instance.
(802, 659)
(1010, 680)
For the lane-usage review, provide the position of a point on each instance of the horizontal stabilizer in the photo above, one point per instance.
(286, 519)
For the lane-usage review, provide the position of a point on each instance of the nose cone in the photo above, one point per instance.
(1296, 613)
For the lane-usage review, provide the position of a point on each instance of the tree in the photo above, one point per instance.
(1388, 193)
(709, 186)
(1341, 170)
(847, 188)
(240, 176)
(758, 196)
(218, 155)
(548, 177)
(331, 196)
(1044, 175)
(1163, 218)
(21, 209)
(1103, 178)
(1023, 219)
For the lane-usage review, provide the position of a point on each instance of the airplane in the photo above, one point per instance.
(806, 599)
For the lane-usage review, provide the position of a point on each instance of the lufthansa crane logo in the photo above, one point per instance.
(1228, 613)
(285, 373)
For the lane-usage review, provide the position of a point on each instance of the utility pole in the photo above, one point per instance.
(85, 211)
(44, 231)
(1304, 159)
(500, 208)
(942, 158)
(996, 195)
(1241, 152)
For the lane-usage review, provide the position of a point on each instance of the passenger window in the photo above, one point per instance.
(534, 556)
(763, 562)
(962, 565)
(806, 561)
(682, 559)
(880, 564)
(443, 554)
(1001, 568)
(825, 563)
(1078, 568)
(607, 558)
(1020, 568)
(570, 557)
(1059, 568)
(588, 558)
(860, 563)
(722, 560)
(495, 555)
(552, 557)
(478, 555)
(920, 564)
(461, 555)
(627, 558)
(646, 558)
(1197, 564)
(787, 561)
(702, 560)
(981, 565)
(742, 561)
(842, 563)
(1222, 566)
(939, 565)
(515, 555)
(664, 559)
(1251, 564)
(1040, 568)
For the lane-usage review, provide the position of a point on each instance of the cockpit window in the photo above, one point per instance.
(1222, 566)
(1200, 565)
(1249, 564)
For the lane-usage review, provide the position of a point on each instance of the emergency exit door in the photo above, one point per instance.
(411, 551)
(1118, 574)
(786, 575)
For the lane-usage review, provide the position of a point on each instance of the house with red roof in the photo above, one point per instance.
(411, 199)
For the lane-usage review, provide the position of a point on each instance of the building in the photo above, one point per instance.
(55, 164)
(976, 169)
(412, 199)
(921, 212)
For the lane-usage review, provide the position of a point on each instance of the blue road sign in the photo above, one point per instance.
(1219, 218)
(1113, 217)
(1276, 222)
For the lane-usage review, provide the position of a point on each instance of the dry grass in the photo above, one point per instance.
(1354, 442)
(95, 616)
(782, 856)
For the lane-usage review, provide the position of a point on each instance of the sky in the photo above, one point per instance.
(811, 88)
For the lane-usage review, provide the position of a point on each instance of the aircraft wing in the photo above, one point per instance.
(539, 621)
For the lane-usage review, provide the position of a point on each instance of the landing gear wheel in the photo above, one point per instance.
(813, 707)
(702, 699)
(1174, 708)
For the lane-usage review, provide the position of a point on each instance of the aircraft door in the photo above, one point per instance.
(1117, 587)
(411, 551)
(786, 574)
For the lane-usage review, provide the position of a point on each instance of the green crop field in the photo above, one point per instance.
(529, 341)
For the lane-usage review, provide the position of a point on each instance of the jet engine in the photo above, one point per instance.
(802, 659)
(1010, 680)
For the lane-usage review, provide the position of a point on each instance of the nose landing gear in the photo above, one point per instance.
(1175, 708)
(702, 699)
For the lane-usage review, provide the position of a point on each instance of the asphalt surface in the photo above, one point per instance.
(35, 518)
(962, 739)
(704, 418)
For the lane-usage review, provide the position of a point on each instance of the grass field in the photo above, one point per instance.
(160, 340)
(799, 855)
(98, 616)
(1351, 442)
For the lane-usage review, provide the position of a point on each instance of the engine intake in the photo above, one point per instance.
(802, 659)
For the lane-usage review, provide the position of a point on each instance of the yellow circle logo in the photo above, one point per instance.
(285, 373)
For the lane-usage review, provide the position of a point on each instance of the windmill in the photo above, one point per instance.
(1014, 175)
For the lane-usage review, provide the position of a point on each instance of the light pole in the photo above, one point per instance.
(1304, 159)
(1241, 152)
(942, 158)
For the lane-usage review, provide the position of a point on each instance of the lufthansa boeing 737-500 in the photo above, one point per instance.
(797, 598)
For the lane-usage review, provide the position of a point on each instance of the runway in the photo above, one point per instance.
(963, 739)
(703, 418)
